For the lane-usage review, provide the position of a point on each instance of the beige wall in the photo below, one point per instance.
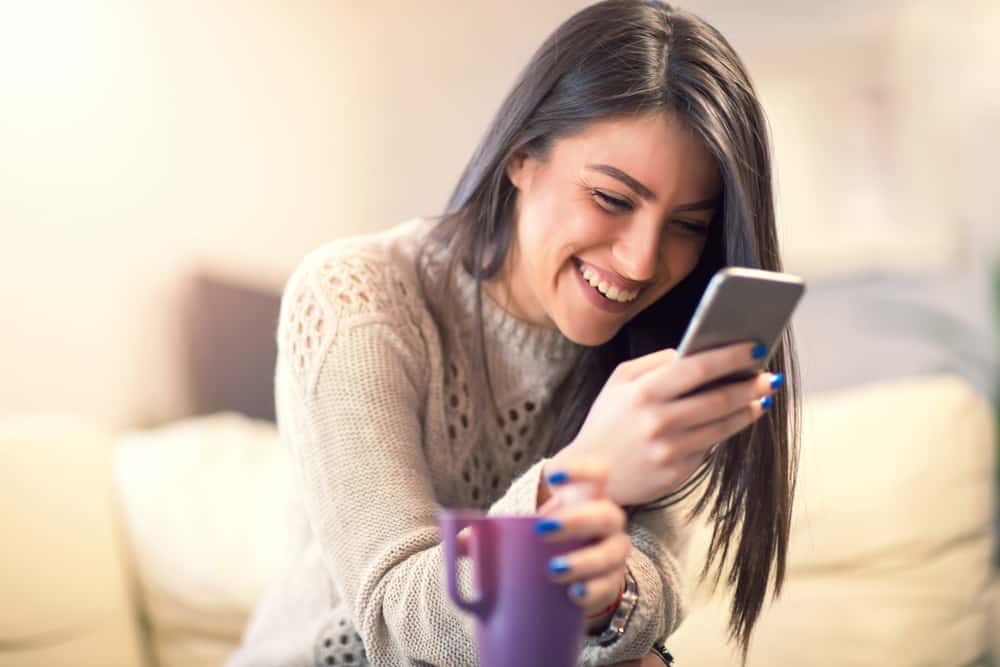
(138, 140)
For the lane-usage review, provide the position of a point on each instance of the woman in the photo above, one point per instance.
(525, 338)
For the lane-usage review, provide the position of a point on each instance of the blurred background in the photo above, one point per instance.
(164, 165)
(143, 141)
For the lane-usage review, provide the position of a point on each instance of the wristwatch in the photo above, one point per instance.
(619, 620)
(661, 652)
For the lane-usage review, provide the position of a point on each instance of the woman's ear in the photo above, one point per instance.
(518, 169)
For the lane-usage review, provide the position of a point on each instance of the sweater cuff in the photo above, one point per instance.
(656, 614)
(522, 496)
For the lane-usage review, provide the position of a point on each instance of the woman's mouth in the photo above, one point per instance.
(610, 292)
(610, 298)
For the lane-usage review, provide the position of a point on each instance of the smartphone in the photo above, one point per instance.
(740, 305)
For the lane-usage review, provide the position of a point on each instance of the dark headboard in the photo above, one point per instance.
(229, 345)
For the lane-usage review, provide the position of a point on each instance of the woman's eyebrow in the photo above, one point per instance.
(615, 172)
(646, 193)
(702, 205)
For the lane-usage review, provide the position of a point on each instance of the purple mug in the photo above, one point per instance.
(522, 617)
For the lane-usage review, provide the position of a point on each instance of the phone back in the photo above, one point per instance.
(742, 304)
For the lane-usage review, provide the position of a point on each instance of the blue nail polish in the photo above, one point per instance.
(759, 352)
(557, 478)
(779, 379)
(578, 590)
(558, 565)
(766, 402)
(546, 526)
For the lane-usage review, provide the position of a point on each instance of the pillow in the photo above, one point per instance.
(889, 559)
(203, 504)
(230, 346)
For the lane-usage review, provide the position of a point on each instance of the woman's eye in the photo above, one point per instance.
(614, 204)
(692, 227)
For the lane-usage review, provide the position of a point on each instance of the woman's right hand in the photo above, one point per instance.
(650, 435)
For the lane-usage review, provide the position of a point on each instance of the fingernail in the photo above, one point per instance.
(578, 590)
(766, 402)
(759, 352)
(557, 478)
(558, 565)
(546, 526)
(779, 379)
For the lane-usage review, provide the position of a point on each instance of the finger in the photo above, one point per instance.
(702, 437)
(591, 519)
(706, 407)
(685, 374)
(551, 505)
(597, 593)
(591, 561)
(590, 471)
(634, 368)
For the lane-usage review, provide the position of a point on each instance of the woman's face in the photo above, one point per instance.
(607, 223)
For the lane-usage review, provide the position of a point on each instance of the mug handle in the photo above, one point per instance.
(450, 525)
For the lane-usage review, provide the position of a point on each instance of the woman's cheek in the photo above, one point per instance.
(681, 257)
(587, 227)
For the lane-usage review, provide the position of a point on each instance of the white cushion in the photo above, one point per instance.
(203, 501)
(892, 537)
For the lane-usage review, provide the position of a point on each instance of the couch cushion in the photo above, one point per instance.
(63, 574)
(203, 500)
(890, 551)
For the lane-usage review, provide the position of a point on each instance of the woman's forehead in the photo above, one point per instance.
(660, 150)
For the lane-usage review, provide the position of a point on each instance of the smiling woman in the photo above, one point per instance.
(524, 339)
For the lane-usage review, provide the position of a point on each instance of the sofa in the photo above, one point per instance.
(151, 546)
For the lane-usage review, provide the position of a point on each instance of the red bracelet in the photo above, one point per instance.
(611, 608)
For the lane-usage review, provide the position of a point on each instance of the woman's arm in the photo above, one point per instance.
(351, 406)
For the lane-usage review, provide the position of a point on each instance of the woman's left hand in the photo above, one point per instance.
(648, 660)
(596, 572)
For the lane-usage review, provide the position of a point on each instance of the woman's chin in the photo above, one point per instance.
(588, 336)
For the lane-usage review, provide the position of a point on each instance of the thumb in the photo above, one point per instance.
(582, 477)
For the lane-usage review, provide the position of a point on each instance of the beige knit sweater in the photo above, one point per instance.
(378, 408)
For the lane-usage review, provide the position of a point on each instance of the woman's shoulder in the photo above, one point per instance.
(358, 297)
(360, 278)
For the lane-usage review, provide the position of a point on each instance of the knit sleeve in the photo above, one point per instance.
(658, 540)
(352, 372)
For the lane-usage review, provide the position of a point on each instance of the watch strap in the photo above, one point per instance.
(619, 620)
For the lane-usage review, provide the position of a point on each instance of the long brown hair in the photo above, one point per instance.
(624, 57)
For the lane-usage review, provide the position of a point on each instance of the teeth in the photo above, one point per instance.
(610, 291)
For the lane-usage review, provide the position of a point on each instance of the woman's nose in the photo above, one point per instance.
(637, 250)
